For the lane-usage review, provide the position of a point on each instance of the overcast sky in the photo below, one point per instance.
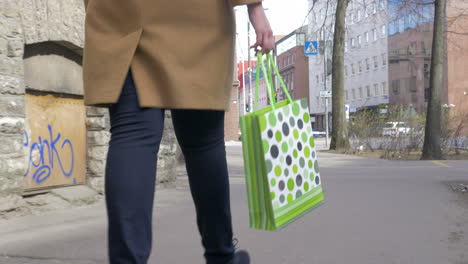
(284, 16)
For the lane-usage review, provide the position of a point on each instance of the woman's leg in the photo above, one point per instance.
(200, 134)
(130, 176)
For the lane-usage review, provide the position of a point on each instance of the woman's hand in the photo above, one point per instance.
(265, 38)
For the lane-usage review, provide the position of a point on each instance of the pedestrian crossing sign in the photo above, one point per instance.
(311, 48)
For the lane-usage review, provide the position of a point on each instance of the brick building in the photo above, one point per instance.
(293, 65)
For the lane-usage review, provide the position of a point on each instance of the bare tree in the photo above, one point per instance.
(432, 145)
(340, 139)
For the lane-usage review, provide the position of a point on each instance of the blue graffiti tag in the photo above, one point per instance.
(44, 167)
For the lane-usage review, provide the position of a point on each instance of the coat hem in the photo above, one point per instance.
(167, 107)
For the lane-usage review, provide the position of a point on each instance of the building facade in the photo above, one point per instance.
(365, 60)
(293, 65)
(388, 55)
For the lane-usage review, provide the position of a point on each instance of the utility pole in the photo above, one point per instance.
(250, 67)
(325, 89)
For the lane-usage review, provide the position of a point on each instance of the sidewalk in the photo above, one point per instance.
(376, 211)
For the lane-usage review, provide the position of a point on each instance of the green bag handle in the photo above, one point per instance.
(269, 79)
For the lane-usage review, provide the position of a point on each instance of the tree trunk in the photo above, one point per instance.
(340, 139)
(432, 148)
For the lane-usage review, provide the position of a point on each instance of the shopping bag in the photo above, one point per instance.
(280, 160)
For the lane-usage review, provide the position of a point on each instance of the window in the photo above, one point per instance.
(374, 31)
(346, 46)
(412, 84)
(376, 64)
(392, 27)
(384, 88)
(396, 87)
(366, 11)
(427, 72)
(346, 70)
(367, 65)
(352, 68)
(368, 91)
(360, 92)
(352, 18)
(353, 43)
(384, 30)
(359, 40)
(384, 59)
(376, 89)
(367, 37)
(360, 66)
(374, 7)
(354, 94)
(401, 25)
(359, 15)
(382, 4)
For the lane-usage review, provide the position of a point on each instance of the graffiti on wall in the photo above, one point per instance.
(54, 141)
(48, 151)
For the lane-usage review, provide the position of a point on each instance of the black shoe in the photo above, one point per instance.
(241, 257)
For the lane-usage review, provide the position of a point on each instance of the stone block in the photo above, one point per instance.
(15, 48)
(14, 29)
(12, 106)
(8, 8)
(11, 66)
(97, 183)
(13, 164)
(10, 84)
(3, 44)
(96, 111)
(95, 123)
(9, 202)
(96, 167)
(166, 171)
(11, 182)
(98, 138)
(97, 152)
(11, 145)
(11, 125)
(79, 194)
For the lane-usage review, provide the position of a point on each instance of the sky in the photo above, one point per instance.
(284, 16)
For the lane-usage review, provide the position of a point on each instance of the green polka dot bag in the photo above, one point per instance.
(282, 174)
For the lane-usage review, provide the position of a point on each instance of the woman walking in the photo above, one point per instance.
(142, 57)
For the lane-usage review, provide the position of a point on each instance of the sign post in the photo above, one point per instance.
(347, 111)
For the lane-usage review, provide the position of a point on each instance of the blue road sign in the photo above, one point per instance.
(311, 48)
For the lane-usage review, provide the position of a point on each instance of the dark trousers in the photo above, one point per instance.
(131, 171)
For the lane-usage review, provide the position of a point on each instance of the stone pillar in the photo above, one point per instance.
(12, 112)
(167, 156)
(98, 135)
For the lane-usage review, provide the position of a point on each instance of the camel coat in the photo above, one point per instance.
(180, 52)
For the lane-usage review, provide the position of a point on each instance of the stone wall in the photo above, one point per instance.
(12, 115)
(59, 23)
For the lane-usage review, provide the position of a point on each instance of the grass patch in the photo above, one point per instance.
(451, 154)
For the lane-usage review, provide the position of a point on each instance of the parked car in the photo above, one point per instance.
(319, 134)
(395, 129)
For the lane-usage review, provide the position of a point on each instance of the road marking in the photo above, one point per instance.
(441, 164)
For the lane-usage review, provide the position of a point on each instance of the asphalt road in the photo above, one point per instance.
(376, 212)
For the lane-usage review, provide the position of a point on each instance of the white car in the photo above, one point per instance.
(395, 129)
(319, 134)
